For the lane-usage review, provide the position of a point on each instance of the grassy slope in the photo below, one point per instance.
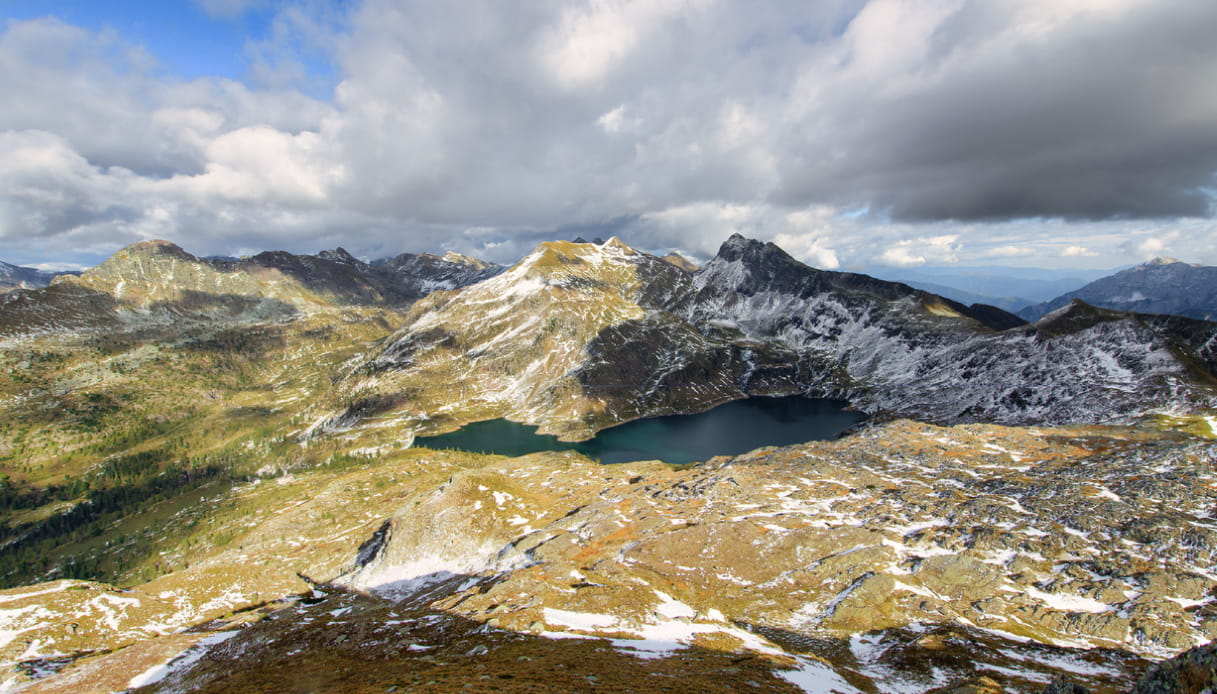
(105, 436)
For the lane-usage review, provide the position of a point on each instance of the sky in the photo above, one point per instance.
(855, 134)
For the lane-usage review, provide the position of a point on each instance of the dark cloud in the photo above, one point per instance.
(1095, 116)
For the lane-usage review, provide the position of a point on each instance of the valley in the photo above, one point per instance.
(212, 481)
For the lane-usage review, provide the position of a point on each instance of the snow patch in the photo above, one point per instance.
(587, 621)
(180, 662)
(1068, 603)
(815, 677)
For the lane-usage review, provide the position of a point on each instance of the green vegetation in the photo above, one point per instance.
(110, 443)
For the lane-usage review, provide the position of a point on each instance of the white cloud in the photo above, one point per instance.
(487, 127)
(1006, 252)
(1159, 245)
(591, 39)
(901, 255)
(1077, 252)
(936, 250)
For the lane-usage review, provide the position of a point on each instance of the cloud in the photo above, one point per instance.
(1007, 252)
(935, 250)
(1077, 252)
(1156, 245)
(852, 132)
(982, 111)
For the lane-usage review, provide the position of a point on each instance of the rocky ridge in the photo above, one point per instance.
(433, 272)
(577, 337)
(156, 283)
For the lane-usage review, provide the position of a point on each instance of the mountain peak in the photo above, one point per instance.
(1160, 260)
(462, 259)
(154, 247)
(338, 255)
(680, 261)
(739, 247)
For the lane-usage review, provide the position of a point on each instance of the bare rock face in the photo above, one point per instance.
(1192, 672)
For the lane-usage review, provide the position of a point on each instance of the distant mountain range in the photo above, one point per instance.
(157, 282)
(18, 277)
(1006, 287)
(1162, 285)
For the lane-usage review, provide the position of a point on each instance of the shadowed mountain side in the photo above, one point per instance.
(433, 272)
(17, 277)
(71, 308)
(660, 366)
(350, 643)
(59, 308)
(1162, 285)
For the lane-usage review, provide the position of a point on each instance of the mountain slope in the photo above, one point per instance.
(918, 355)
(432, 272)
(904, 558)
(535, 342)
(1006, 303)
(158, 283)
(578, 337)
(1162, 285)
(226, 474)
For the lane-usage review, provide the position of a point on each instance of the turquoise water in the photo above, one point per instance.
(730, 429)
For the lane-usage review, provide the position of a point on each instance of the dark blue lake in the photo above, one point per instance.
(730, 429)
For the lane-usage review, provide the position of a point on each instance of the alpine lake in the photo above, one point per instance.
(729, 429)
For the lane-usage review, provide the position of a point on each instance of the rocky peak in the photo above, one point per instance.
(739, 247)
(338, 255)
(142, 261)
(681, 262)
(469, 261)
(154, 249)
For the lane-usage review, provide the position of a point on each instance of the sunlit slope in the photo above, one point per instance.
(537, 343)
(869, 559)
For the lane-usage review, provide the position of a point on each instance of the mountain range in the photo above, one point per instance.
(210, 483)
(551, 342)
(17, 277)
(1161, 285)
(1007, 287)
